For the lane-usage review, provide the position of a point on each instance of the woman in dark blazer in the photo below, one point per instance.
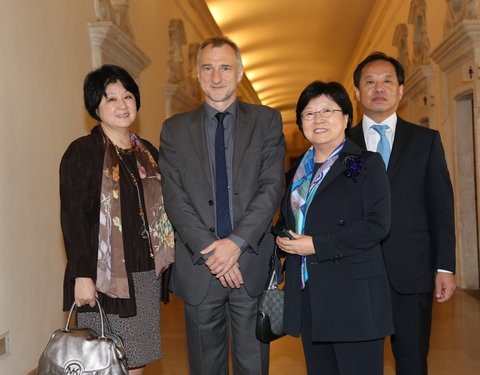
(337, 208)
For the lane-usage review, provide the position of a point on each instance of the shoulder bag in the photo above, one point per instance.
(270, 312)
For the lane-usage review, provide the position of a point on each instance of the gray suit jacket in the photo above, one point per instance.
(258, 170)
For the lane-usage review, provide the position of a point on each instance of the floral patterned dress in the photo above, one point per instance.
(136, 319)
(80, 186)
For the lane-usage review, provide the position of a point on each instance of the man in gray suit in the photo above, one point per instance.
(222, 170)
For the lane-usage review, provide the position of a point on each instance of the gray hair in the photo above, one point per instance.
(219, 41)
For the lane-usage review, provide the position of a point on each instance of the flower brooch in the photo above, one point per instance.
(354, 166)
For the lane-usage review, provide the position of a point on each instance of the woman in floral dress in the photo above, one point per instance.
(118, 239)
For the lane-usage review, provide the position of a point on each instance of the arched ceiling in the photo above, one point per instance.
(286, 44)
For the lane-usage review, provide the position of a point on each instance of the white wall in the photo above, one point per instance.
(45, 54)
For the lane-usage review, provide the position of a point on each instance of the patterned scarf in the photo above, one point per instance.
(303, 189)
(111, 271)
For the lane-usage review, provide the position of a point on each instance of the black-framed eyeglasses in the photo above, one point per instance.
(324, 112)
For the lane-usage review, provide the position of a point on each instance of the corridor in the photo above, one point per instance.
(454, 348)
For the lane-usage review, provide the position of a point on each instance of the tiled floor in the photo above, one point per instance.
(454, 348)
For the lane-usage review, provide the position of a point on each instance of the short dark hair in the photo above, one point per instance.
(333, 90)
(379, 56)
(97, 81)
(219, 41)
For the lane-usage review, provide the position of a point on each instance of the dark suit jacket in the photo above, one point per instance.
(347, 218)
(422, 237)
(258, 167)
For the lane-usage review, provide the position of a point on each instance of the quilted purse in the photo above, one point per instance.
(83, 351)
(270, 312)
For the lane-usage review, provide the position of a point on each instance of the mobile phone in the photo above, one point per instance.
(282, 232)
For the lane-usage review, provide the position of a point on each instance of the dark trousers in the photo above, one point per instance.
(338, 358)
(412, 316)
(208, 325)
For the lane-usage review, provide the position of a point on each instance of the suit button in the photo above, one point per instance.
(341, 223)
(212, 229)
(210, 202)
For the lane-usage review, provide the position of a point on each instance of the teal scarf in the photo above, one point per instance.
(303, 189)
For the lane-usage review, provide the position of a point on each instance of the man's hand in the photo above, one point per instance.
(224, 257)
(232, 278)
(444, 286)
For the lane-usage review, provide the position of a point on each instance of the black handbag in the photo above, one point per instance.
(270, 312)
(84, 351)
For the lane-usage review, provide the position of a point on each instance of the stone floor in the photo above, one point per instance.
(454, 348)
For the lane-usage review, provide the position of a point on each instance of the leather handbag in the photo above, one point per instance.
(270, 312)
(83, 351)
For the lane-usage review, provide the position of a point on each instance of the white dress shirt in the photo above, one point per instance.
(372, 137)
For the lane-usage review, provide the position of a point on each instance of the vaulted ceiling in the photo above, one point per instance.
(286, 44)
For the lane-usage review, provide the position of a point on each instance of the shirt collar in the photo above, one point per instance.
(390, 121)
(211, 112)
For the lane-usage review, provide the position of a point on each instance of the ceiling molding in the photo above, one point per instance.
(205, 16)
(461, 44)
(110, 45)
(419, 81)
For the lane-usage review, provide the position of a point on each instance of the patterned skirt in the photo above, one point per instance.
(140, 333)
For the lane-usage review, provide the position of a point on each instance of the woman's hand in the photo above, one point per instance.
(301, 245)
(85, 291)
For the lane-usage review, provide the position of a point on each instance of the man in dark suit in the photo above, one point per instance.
(419, 252)
(222, 169)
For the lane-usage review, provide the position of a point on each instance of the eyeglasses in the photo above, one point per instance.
(324, 112)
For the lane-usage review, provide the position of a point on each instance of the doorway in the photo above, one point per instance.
(466, 193)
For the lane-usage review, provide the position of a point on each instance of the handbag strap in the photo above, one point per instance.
(103, 318)
(273, 280)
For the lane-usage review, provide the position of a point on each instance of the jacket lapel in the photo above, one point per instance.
(338, 167)
(197, 139)
(357, 136)
(399, 145)
(243, 135)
